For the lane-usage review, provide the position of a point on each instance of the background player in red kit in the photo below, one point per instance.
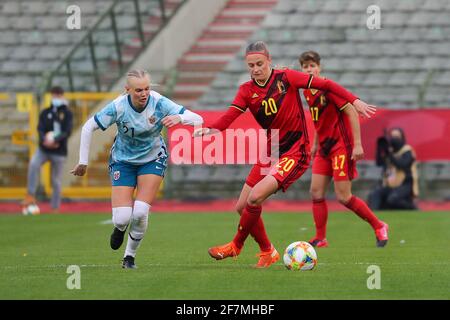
(335, 150)
(272, 97)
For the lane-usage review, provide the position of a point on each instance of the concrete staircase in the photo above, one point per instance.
(217, 46)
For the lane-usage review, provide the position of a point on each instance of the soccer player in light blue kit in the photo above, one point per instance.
(138, 157)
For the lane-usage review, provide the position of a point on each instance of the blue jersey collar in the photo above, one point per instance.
(136, 109)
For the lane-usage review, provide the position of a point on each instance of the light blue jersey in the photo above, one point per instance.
(138, 139)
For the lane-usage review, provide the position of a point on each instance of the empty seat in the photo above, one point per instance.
(32, 38)
(4, 52)
(297, 21)
(394, 19)
(50, 52)
(335, 6)
(348, 20)
(34, 8)
(409, 63)
(442, 78)
(393, 49)
(285, 7)
(420, 19)
(38, 66)
(5, 23)
(22, 83)
(433, 62)
(367, 49)
(44, 23)
(276, 21)
(358, 5)
(409, 5)
(376, 79)
(417, 49)
(400, 78)
(351, 79)
(323, 20)
(435, 5)
(11, 8)
(23, 53)
(12, 66)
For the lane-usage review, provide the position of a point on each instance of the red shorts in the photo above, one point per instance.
(337, 164)
(286, 170)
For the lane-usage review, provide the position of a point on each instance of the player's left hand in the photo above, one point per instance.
(171, 121)
(357, 153)
(364, 109)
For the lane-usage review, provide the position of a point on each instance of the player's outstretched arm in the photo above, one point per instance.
(220, 124)
(86, 136)
(187, 118)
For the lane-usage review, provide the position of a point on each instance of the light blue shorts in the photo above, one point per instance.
(125, 174)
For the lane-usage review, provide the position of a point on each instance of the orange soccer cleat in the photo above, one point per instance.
(224, 251)
(382, 235)
(266, 258)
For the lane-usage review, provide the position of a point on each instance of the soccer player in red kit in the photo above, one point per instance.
(335, 150)
(272, 97)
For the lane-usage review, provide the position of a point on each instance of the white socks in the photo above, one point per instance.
(139, 222)
(121, 217)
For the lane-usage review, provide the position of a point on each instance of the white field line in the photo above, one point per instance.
(237, 265)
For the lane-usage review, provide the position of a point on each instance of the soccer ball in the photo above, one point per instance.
(31, 209)
(300, 255)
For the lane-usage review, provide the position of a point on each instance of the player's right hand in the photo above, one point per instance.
(79, 170)
(364, 109)
(201, 132)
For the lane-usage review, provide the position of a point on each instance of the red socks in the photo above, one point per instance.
(251, 221)
(320, 213)
(362, 210)
(258, 232)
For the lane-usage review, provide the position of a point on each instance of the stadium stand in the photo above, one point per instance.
(404, 65)
(372, 63)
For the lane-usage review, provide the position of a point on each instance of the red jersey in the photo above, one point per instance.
(332, 126)
(277, 105)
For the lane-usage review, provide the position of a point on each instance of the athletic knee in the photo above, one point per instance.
(343, 198)
(255, 199)
(121, 217)
(343, 193)
(141, 209)
(316, 193)
(140, 219)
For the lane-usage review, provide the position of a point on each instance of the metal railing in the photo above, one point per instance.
(99, 74)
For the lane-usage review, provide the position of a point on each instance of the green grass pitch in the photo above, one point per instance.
(173, 261)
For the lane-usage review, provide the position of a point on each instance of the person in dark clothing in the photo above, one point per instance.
(400, 181)
(54, 127)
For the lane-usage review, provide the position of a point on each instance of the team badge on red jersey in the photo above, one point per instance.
(281, 87)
